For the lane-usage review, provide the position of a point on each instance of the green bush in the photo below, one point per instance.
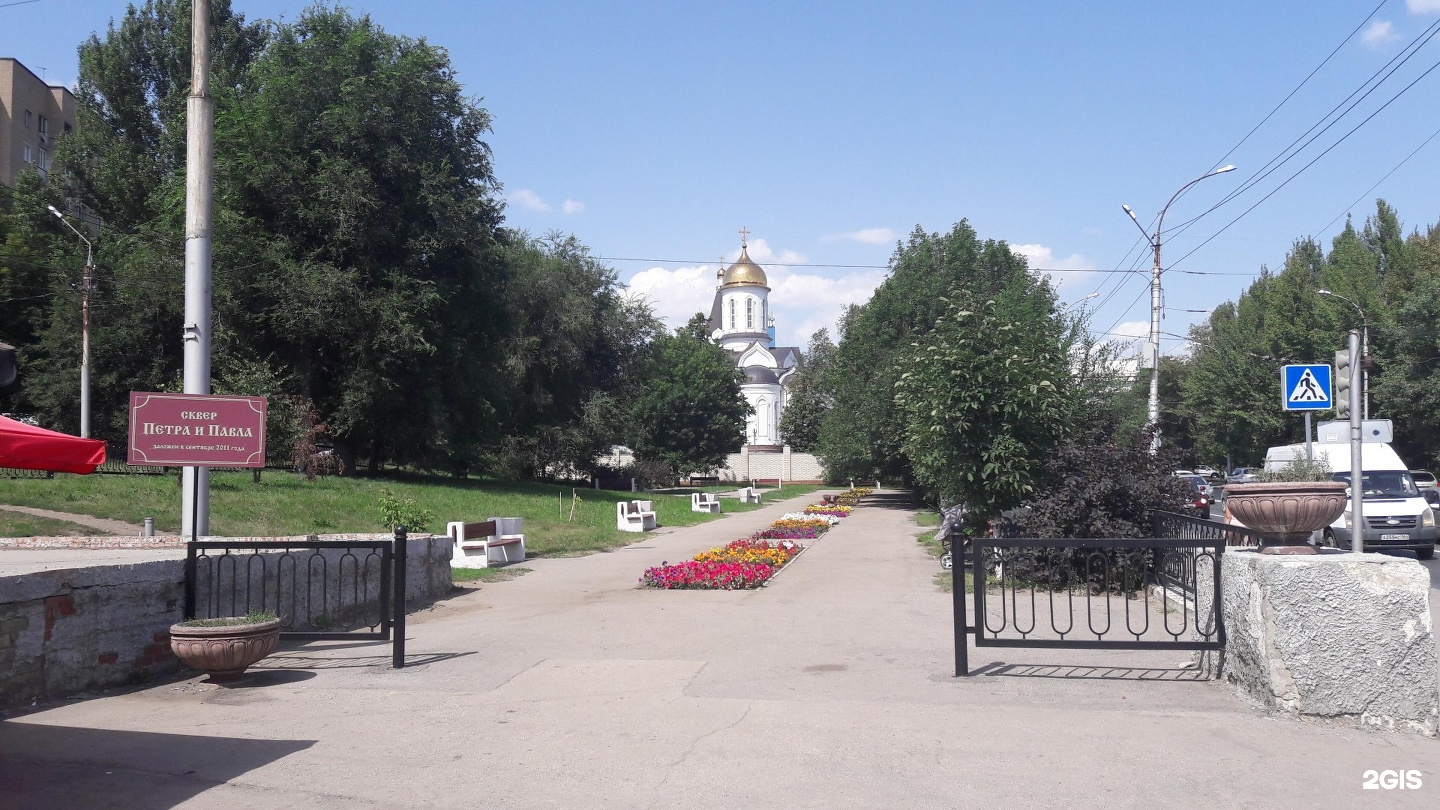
(402, 512)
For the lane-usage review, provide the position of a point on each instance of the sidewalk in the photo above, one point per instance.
(569, 687)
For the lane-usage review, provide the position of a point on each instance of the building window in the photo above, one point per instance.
(28, 115)
(67, 128)
(44, 162)
(44, 126)
(732, 314)
(29, 155)
(750, 313)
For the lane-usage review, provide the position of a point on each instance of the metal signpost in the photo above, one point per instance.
(1306, 388)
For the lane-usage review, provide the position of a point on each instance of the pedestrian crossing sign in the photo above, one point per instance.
(1305, 388)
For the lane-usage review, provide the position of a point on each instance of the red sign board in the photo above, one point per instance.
(196, 430)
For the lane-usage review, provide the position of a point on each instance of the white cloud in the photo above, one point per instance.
(865, 236)
(529, 200)
(573, 207)
(1423, 6)
(1378, 33)
(676, 294)
(1075, 269)
(1130, 330)
(801, 299)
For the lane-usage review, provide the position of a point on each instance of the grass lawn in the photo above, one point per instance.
(499, 574)
(14, 524)
(286, 504)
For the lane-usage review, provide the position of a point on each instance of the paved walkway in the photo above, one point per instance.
(570, 688)
(90, 521)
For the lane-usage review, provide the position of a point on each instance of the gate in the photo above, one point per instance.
(1090, 594)
(320, 589)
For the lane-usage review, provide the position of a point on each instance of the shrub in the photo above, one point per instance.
(402, 512)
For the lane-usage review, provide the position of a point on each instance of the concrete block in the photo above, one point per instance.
(1333, 635)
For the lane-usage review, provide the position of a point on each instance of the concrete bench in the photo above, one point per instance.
(476, 545)
(749, 495)
(634, 516)
(699, 480)
(704, 502)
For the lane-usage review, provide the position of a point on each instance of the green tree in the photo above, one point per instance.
(863, 435)
(689, 412)
(983, 398)
(810, 395)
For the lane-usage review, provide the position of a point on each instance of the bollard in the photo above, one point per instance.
(149, 527)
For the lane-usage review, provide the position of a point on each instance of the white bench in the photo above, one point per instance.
(749, 495)
(704, 502)
(634, 516)
(476, 545)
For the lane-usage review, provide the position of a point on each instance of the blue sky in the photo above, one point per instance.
(656, 130)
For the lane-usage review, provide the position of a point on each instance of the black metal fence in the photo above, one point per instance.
(320, 589)
(1089, 594)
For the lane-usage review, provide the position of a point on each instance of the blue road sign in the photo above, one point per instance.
(1305, 388)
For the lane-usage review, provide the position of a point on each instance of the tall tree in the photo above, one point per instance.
(810, 394)
(689, 413)
(863, 435)
(983, 397)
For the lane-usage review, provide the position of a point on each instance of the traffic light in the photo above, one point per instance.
(1343, 370)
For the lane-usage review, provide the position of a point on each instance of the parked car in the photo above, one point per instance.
(1182, 473)
(1424, 479)
(1241, 475)
(1207, 472)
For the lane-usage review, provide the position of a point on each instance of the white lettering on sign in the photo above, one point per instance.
(221, 430)
(205, 415)
(153, 429)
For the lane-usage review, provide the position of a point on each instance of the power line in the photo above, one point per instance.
(1381, 180)
(18, 3)
(1292, 151)
(1313, 161)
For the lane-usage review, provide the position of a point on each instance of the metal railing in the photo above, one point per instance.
(320, 589)
(1089, 594)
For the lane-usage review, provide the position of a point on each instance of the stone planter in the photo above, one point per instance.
(224, 651)
(1285, 514)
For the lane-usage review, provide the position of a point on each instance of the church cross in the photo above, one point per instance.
(744, 236)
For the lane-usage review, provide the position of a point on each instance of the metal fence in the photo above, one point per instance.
(1088, 594)
(320, 589)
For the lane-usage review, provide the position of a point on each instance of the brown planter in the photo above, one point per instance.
(1284, 514)
(224, 652)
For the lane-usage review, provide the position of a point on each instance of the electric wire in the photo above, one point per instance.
(1367, 191)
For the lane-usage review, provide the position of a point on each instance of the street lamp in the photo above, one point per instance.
(84, 326)
(1364, 351)
(1154, 348)
(1067, 307)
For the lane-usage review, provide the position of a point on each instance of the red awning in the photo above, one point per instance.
(26, 447)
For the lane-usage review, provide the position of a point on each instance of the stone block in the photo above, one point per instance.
(1335, 635)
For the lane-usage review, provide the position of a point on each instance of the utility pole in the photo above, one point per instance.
(1153, 349)
(199, 190)
(85, 283)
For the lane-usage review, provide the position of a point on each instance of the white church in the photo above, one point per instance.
(740, 321)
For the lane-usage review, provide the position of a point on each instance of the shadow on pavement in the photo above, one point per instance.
(890, 500)
(1070, 671)
(317, 659)
(65, 766)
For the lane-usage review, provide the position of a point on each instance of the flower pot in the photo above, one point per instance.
(224, 651)
(1284, 514)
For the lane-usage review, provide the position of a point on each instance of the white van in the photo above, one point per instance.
(1396, 515)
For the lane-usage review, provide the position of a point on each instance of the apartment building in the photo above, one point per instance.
(32, 115)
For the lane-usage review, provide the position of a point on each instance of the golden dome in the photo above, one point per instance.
(744, 272)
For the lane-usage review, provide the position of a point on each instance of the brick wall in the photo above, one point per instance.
(786, 466)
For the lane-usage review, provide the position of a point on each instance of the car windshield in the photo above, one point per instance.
(1196, 480)
(1384, 484)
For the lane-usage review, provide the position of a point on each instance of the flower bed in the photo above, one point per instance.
(751, 562)
(707, 575)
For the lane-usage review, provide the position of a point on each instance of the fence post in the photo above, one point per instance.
(957, 609)
(398, 602)
(190, 571)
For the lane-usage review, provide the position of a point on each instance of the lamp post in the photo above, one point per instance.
(1079, 300)
(84, 326)
(1364, 352)
(1153, 349)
